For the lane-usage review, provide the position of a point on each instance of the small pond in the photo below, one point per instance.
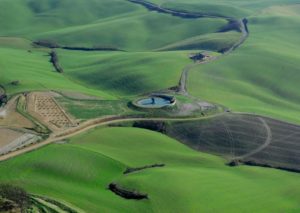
(155, 102)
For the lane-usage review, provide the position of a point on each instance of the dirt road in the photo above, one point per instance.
(58, 136)
(182, 89)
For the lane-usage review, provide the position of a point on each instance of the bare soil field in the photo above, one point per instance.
(44, 107)
(284, 149)
(10, 117)
(22, 141)
(7, 136)
(246, 138)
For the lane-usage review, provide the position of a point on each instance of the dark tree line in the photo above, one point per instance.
(54, 60)
(12, 197)
(126, 193)
(54, 45)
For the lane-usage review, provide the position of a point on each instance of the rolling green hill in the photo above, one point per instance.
(262, 76)
(152, 48)
(135, 32)
(29, 17)
(122, 73)
(78, 172)
(228, 8)
(19, 62)
(124, 25)
(116, 23)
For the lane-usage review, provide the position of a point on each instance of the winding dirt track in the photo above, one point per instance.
(58, 136)
(182, 88)
(263, 146)
(184, 76)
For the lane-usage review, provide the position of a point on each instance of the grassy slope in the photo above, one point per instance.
(78, 173)
(124, 74)
(92, 109)
(211, 41)
(229, 8)
(46, 15)
(99, 23)
(263, 75)
(142, 31)
(33, 70)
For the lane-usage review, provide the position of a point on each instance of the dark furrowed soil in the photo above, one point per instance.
(226, 135)
(244, 138)
(283, 151)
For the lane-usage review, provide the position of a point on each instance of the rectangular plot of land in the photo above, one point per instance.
(7, 136)
(50, 111)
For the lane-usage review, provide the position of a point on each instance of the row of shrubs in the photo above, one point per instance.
(54, 60)
(3, 96)
(54, 45)
(53, 54)
(12, 198)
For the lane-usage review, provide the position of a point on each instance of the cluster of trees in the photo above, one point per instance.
(46, 43)
(3, 99)
(126, 193)
(233, 25)
(54, 60)
(197, 57)
(157, 126)
(13, 198)
(3, 96)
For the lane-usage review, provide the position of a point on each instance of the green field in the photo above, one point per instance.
(107, 75)
(31, 67)
(249, 80)
(116, 23)
(228, 8)
(83, 167)
(89, 109)
(262, 76)
(152, 49)
(124, 74)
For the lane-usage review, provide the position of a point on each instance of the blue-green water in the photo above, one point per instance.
(154, 102)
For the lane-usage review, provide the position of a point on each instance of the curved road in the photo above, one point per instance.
(182, 88)
(58, 136)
